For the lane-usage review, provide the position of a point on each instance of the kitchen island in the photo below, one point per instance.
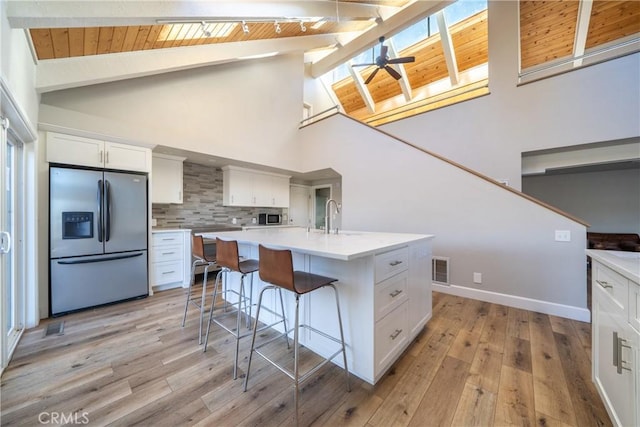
(384, 282)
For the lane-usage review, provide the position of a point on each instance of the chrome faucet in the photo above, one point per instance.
(327, 218)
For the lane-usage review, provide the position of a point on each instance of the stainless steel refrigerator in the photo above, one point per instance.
(97, 238)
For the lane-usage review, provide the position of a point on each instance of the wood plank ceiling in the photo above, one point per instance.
(547, 33)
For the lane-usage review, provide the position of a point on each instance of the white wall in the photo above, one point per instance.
(488, 134)
(248, 110)
(608, 200)
(388, 186)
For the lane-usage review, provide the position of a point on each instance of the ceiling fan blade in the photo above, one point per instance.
(371, 76)
(396, 75)
(403, 60)
(383, 51)
(363, 65)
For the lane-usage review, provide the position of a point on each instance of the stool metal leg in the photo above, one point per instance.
(191, 283)
(213, 302)
(284, 318)
(295, 359)
(253, 335)
(344, 352)
(204, 294)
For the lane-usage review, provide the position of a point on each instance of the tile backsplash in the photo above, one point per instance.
(202, 202)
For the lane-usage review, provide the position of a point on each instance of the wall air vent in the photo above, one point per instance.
(440, 270)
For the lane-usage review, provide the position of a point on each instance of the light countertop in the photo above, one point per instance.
(169, 230)
(625, 263)
(345, 246)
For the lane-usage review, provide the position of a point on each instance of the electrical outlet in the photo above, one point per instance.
(563, 235)
(477, 278)
(234, 221)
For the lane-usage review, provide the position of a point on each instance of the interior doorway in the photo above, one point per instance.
(321, 194)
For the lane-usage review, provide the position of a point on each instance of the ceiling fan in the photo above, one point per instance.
(383, 61)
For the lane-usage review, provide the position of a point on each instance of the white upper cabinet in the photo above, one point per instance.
(167, 179)
(246, 187)
(76, 150)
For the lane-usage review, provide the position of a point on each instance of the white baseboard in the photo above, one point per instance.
(546, 307)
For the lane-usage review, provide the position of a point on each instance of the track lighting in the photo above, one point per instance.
(277, 26)
(206, 32)
(302, 27)
(245, 27)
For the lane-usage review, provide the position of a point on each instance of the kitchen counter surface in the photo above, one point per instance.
(346, 245)
(168, 230)
(625, 263)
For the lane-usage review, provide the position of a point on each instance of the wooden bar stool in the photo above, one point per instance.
(276, 268)
(228, 258)
(197, 248)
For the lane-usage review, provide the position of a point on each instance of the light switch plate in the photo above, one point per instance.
(563, 235)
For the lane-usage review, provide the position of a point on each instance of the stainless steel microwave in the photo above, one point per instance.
(269, 219)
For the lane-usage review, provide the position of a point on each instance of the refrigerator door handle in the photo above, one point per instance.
(100, 205)
(107, 200)
(89, 261)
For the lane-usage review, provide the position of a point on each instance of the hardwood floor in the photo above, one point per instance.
(475, 363)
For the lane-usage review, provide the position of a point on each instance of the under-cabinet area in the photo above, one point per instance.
(616, 333)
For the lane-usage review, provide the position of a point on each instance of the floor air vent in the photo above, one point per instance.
(54, 328)
(440, 270)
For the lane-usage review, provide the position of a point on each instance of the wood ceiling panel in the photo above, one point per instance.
(60, 38)
(130, 39)
(152, 37)
(104, 40)
(76, 41)
(91, 40)
(547, 30)
(119, 34)
(42, 43)
(470, 41)
(612, 20)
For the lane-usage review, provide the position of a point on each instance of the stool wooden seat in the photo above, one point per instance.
(228, 259)
(200, 258)
(276, 268)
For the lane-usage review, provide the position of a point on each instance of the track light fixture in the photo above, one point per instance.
(277, 27)
(245, 27)
(302, 27)
(206, 32)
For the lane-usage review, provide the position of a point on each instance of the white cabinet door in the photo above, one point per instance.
(237, 188)
(614, 364)
(280, 191)
(167, 179)
(127, 157)
(262, 190)
(300, 206)
(74, 150)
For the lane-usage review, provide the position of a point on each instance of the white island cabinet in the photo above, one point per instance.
(170, 258)
(384, 283)
(615, 284)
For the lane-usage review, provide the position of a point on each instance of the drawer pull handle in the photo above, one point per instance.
(394, 263)
(168, 272)
(618, 352)
(168, 238)
(394, 335)
(395, 293)
(604, 284)
(168, 253)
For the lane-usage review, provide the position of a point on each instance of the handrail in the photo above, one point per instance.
(469, 170)
(335, 107)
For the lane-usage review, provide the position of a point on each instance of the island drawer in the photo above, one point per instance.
(391, 335)
(167, 253)
(166, 272)
(614, 284)
(390, 293)
(390, 263)
(165, 239)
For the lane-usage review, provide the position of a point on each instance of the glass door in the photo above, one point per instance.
(11, 238)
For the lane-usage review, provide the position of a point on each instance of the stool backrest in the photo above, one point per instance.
(276, 267)
(227, 254)
(197, 246)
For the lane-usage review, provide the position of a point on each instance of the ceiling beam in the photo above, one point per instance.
(404, 80)
(85, 13)
(362, 89)
(87, 70)
(447, 48)
(582, 30)
(396, 23)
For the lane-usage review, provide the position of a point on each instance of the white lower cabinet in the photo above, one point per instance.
(616, 345)
(170, 259)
